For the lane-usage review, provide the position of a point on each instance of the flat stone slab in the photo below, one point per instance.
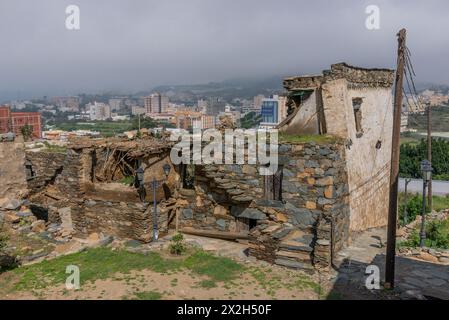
(249, 213)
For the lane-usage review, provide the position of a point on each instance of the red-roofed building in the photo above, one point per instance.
(14, 121)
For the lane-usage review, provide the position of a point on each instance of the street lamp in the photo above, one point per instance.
(140, 179)
(426, 169)
(155, 184)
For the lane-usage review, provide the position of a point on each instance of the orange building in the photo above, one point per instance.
(15, 121)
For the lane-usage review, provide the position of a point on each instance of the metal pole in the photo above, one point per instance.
(407, 181)
(155, 231)
(394, 174)
(423, 216)
(429, 152)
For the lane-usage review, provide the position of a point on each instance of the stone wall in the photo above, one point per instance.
(12, 173)
(43, 169)
(70, 181)
(119, 219)
(296, 231)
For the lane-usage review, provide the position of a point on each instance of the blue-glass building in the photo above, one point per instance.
(270, 111)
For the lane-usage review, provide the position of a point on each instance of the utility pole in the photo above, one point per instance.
(139, 122)
(394, 174)
(407, 182)
(429, 152)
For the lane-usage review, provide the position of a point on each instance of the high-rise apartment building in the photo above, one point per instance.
(156, 103)
(215, 106)
(99, 111)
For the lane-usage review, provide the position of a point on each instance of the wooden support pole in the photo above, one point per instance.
(429, 152)
(394, 173)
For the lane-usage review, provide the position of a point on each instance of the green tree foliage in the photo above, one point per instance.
(414, 209)
(250, 120)
(144, 123)
(27, 132)
(413, 154)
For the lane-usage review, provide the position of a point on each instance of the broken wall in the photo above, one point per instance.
(13, 184)
(294, 231)
(43, 168)
(119, 219)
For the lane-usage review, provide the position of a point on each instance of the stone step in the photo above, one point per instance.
(291, 245)
(293, 264)
(298, 255)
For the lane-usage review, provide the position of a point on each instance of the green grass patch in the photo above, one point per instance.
(300, 139)
(217, 268)
(128, 181)
(102, 263)
(208, 284)
(148, 295)
(271, 282)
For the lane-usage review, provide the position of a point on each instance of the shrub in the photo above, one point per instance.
(437, 236)
(177, 245)
(414, 208)
(3, 240)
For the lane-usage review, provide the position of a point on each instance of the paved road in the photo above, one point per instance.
(413, 277)
(440, 188)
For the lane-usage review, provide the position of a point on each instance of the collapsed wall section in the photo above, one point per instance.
(297, 229)
(42, 168)
(12, 174)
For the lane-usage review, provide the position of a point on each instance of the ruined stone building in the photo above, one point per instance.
(325, 190)
(332, 180)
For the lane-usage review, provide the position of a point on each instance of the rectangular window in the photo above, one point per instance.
(357, 106)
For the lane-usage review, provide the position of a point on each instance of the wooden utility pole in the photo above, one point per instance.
(429, 152)
(394, 174)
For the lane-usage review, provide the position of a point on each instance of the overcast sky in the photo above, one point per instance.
(133, 45)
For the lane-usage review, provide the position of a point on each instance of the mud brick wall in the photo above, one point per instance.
(119, 219)
(45, 166)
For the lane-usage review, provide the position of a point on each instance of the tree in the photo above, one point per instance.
(27, 132)
(250, 120)
(413, 154)
(144, 123)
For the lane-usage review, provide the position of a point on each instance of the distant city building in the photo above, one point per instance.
(257, 102)
(60, 135)
(162, 117)
(438, 100)
(204, 122)
(215, 106)
(116, 104)
(136, 110)
(273, 111)
(67, 103)
(99, 111)
(202, 106)
(15, 121)
(156, 103)
(194, 120)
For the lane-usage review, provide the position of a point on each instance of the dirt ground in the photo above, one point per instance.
(183, 285)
